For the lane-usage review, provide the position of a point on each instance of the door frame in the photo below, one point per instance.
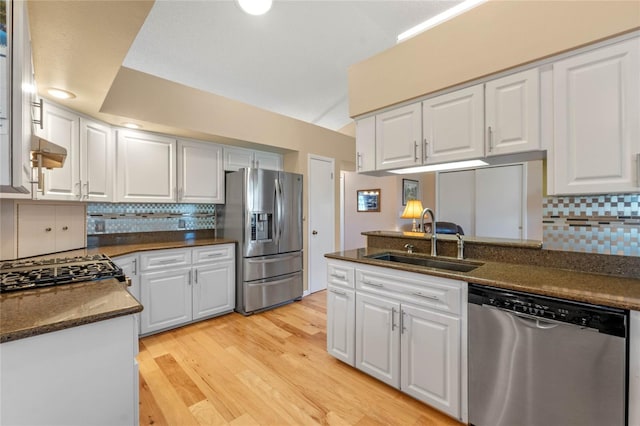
(332, 161)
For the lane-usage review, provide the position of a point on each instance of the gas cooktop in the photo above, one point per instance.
(34, 273)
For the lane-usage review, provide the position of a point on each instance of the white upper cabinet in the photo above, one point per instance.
(366, 144)
(596, 144)
(512, 113)
(97, 161)
(200, 172)
(453, 125)
(146, 168)
(398, 138)
(237, 158)
(62, 128)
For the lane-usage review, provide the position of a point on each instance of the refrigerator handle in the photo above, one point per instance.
(278, 208)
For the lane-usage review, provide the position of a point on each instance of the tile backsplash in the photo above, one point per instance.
(606, 224)
(109, 218)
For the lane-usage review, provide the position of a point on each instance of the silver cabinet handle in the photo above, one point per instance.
(86, 192)
(415, 151)
(196, 278)
(339, 276)
(490, 131)
(402, 327)
(425, 154)
(426, 296)
(638, 169)
(166, 261)
(135, 266)
(372, 283)
(189, 277)
(393, 319)
(333, 290)
(215, 254)
(359, 160)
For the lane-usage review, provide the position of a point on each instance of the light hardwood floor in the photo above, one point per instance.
(270, 368)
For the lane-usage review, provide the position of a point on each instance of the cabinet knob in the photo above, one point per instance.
(314, 232)
(64, 228)
(47, 229)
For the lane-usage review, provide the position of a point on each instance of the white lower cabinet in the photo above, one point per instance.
(410, 332)
(129, 265)
(178, 286)
(341, 312)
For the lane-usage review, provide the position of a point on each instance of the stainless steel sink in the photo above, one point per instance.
(449, 265)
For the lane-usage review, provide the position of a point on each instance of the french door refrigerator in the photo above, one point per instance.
(263, 212)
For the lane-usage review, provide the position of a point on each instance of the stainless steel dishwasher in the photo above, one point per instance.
(541, 361)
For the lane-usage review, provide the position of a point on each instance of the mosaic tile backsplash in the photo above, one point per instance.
(606, 224)
(108, 218)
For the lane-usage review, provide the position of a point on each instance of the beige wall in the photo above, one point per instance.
(493, 37)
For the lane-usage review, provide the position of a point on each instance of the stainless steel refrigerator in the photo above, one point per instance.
(263, 212)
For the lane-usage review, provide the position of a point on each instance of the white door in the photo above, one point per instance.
(321, 218)
(213, 289)
(457, 199)
(341, 316)
(596, 120)
(431, 358)
(398, 138)
(499, 202)
(378, 338)
(453, 124)
(166, 297)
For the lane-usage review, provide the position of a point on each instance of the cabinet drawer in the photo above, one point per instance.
(214, 253)
(438, 293)
(341, 274)
(163, 259)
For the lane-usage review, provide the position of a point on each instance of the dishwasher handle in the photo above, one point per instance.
(538, 322)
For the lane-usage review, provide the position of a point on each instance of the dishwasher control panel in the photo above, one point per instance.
(547, 308)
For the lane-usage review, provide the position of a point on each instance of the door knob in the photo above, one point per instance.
(314, 232)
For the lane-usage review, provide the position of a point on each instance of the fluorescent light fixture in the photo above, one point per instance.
(440, 167)
(131, 125)
(60, 93)
(440, 18)
(255, 7)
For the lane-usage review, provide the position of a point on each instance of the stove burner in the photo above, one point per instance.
(29, 273)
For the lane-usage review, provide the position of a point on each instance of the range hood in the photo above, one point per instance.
(46, 154)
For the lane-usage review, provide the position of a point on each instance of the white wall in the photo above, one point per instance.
(388, 219)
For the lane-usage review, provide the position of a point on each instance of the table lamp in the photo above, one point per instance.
(412, 210)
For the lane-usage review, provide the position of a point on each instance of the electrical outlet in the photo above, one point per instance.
(182, 224)
(99, 227)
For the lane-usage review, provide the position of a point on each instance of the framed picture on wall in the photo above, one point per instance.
(369, 200)
(410, 190)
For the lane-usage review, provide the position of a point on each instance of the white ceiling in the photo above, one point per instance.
(292, 61)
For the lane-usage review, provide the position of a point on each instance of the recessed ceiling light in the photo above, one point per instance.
(456, 10)
(255, 7)
(61, 94)
(131, 125)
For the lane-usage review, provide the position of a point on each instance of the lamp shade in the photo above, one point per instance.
(412, 210)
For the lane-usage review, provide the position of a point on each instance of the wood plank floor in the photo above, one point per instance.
(270, 368)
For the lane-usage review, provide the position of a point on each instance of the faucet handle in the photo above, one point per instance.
(409, 248)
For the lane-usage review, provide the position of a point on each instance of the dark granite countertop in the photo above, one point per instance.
(32, 312)
(599, 289)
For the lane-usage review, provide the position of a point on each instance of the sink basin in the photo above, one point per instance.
(449, 265)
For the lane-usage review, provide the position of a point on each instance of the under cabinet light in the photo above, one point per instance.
(440, 167)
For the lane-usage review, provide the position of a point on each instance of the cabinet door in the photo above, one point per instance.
(129, 265)
(267, 160)
(166, 297)
(366, 144)
(512, 113)
(214, 289)
(97, 153)
(61, 128)
(453, 126)
(597, 121)
(146, 168)
(398, 138)
(70, 227)
(341, 323)
(237, 158)
(431, 358)
(378, 338)
(200, 172)
(36, 229)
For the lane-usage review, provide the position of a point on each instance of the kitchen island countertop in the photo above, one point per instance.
(599, 289)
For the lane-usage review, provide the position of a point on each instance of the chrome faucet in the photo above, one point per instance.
(460, 246)
(434, 237)
(409, 248)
